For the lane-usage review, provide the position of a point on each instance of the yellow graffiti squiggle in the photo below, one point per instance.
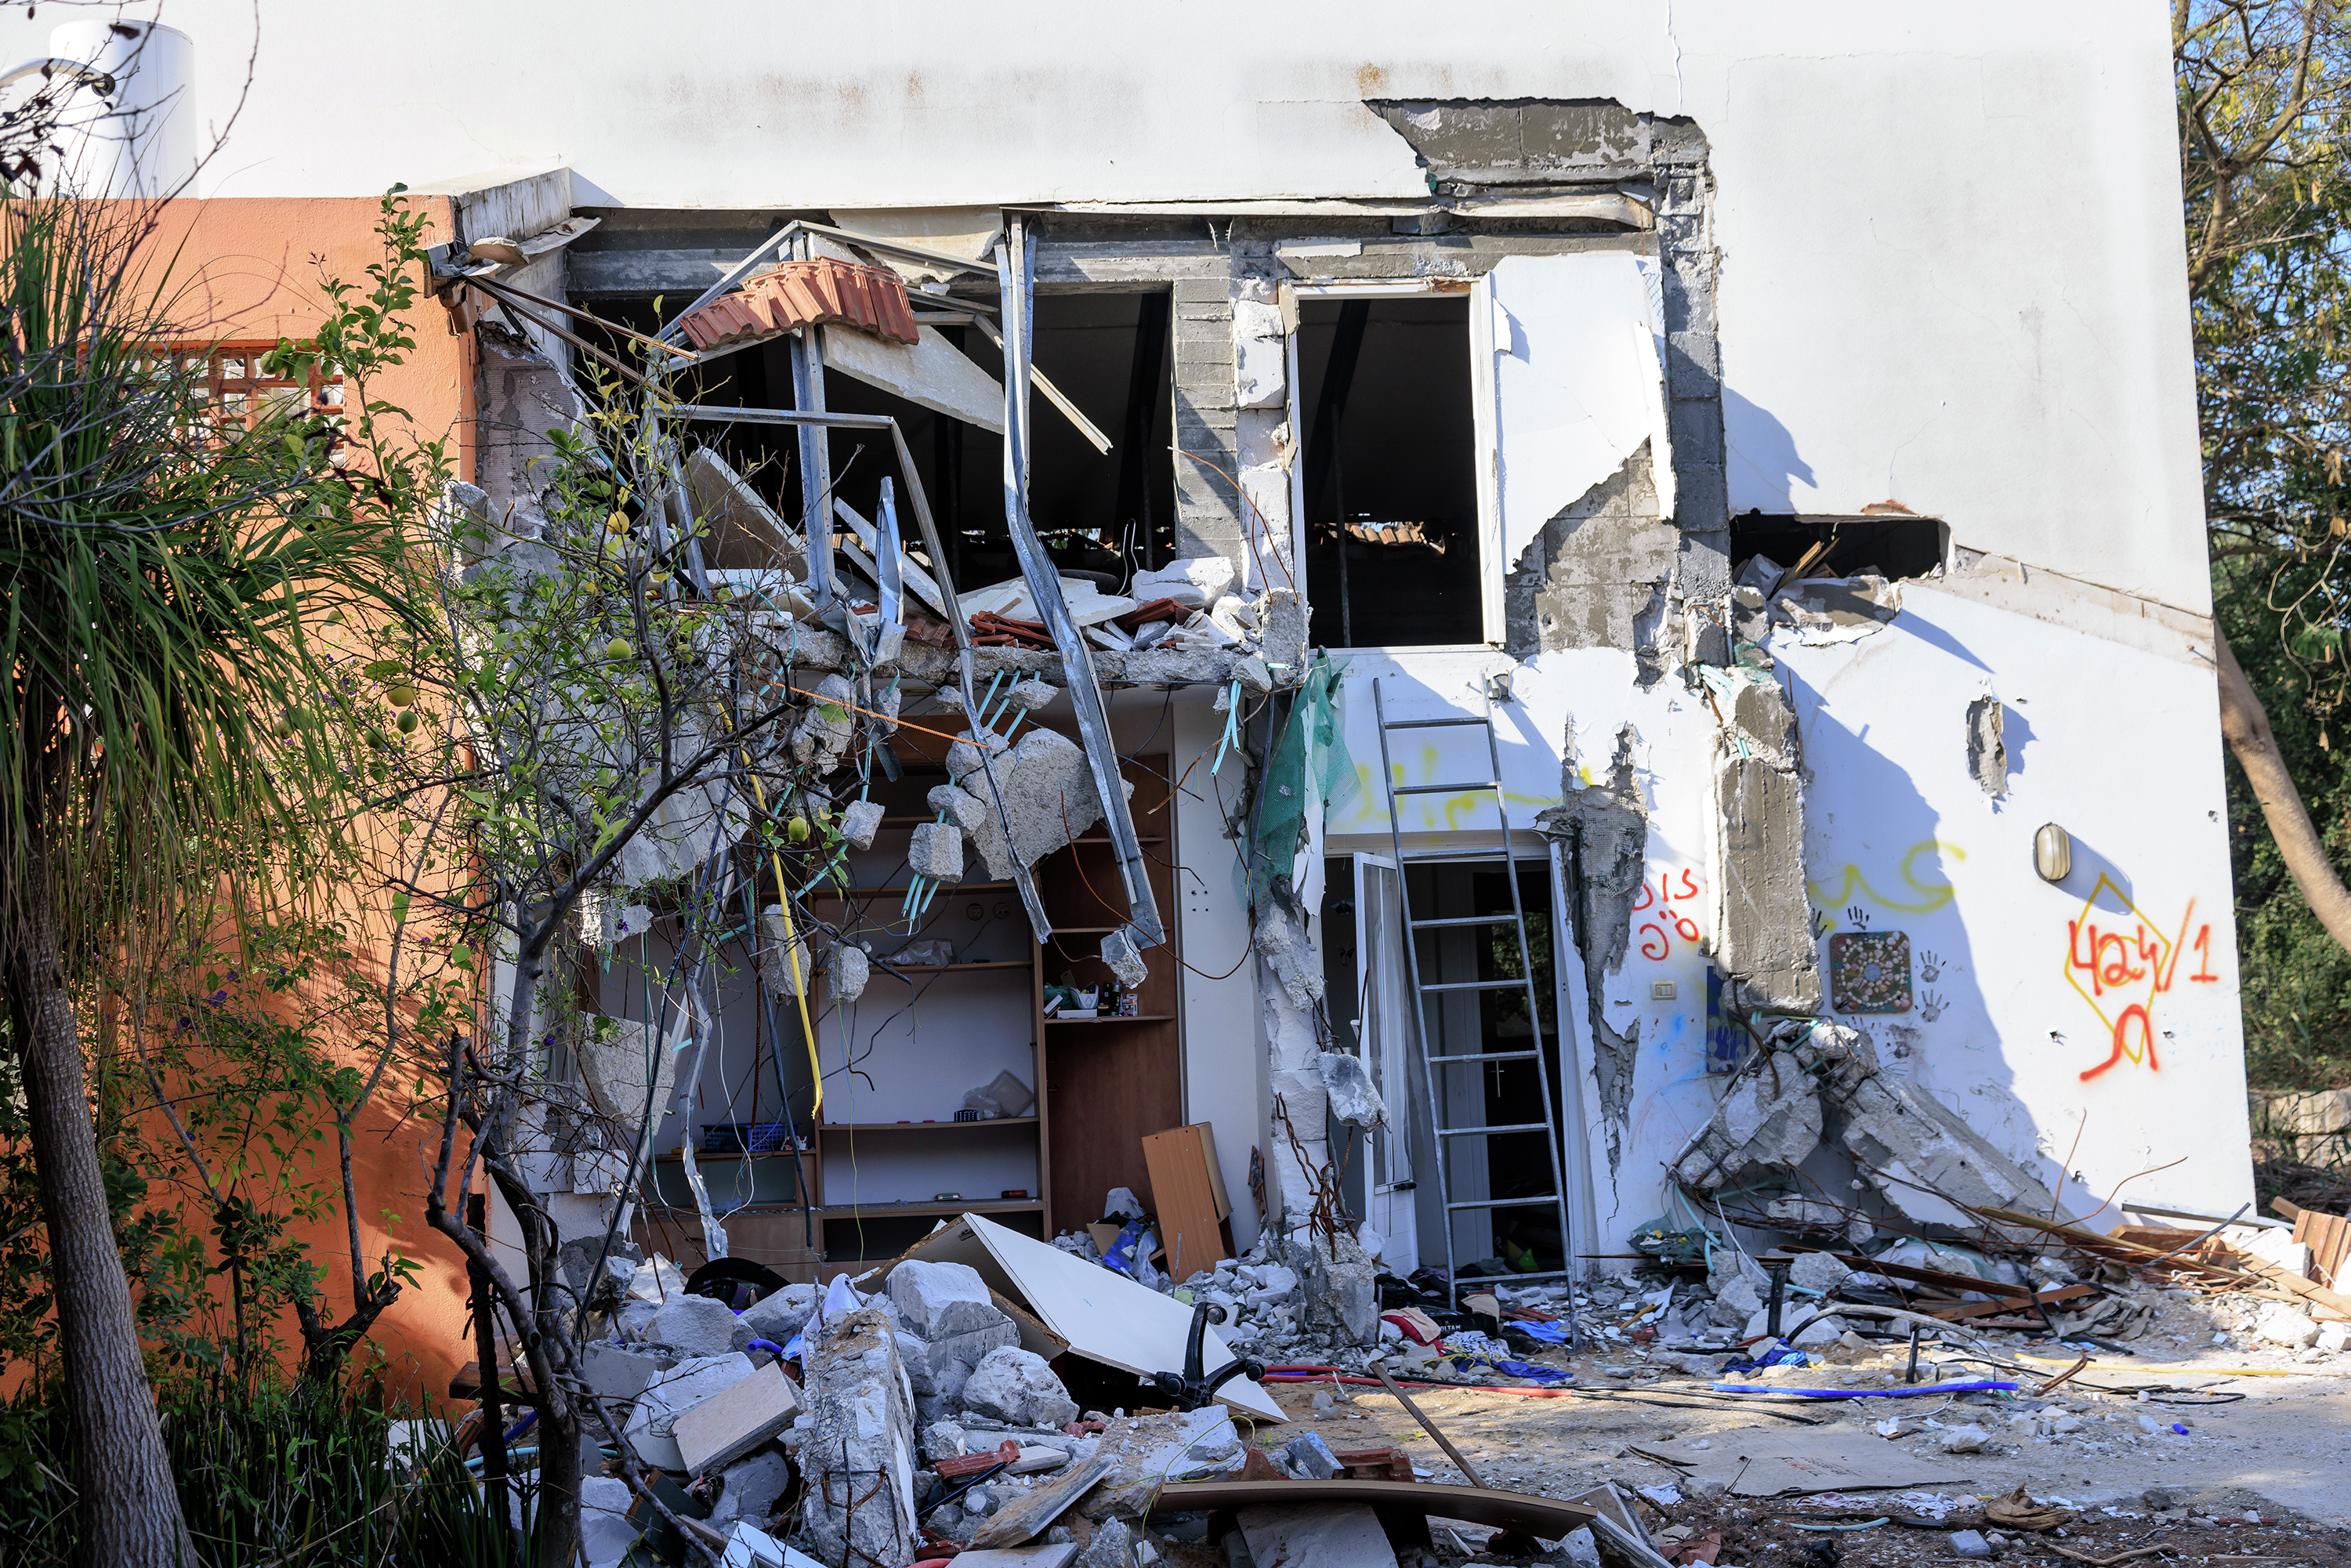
(1938, 894)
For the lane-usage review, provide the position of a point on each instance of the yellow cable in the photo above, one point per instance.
(791, 949)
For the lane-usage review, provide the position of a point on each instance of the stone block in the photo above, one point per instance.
(622, 1371)
(651, 1430)
(1818, 1271)
(697, 1325)
(784, 967)
(848, 967)
(2281, 1324)
(780, 1316)
(1017, 1386)
(941, 1300)
(915, 1357)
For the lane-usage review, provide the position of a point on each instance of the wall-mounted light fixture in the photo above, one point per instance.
(2052, 852)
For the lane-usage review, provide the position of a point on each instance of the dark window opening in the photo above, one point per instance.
(1103, 515)
(1891, 546)
(1390, 473)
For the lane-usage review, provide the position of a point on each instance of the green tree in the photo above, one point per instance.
(2264, 87)
(161, 560)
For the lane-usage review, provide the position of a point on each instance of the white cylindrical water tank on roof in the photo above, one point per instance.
(140, 138)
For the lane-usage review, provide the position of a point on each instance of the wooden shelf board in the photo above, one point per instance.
(925, 1126)
(949, 968)
(1131, 1017)
(701, 1154)
(1099, 841)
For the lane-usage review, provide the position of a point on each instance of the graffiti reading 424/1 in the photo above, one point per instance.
(1655, 920)
(2120, 970)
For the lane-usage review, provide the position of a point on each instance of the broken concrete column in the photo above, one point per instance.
(651, 1430)
(1049, 794)
(857, 1451)
(1769, 1123)
(1763, 933)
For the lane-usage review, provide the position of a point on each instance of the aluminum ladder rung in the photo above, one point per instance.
(1505, 860)
(1487, 1056)
(1490, 1132)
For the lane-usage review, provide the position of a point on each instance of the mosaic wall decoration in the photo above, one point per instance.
(1869, 971)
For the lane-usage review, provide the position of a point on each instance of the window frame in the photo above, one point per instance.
(1483, 454)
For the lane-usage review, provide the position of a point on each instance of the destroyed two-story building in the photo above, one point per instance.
(1689, 689)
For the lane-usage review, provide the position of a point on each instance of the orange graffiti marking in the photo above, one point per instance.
(1658, 931)
(2120, 960)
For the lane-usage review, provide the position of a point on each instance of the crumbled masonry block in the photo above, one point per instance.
(749, 1489)
(1016, 1386)
(622, 1371)
(737, 1419)
(1753, 1131)
(1031, 694)
(2281, 1324)
(1818, 1271)
(822, 733)
(1197, 581)
(849, 969)
(964, 754)
(1124, 956)
(1049, 795)
(651, 1430)
(939, 1300)
(969, 1349)
(778, 1317)
(862, 1438)
(784, 967)
(1353, 1099)
(915, 1357)
(697, 1325)
(860, 821)
(936, 850)
(1308, 1457)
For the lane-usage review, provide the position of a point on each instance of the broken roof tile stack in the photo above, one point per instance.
(822, 291)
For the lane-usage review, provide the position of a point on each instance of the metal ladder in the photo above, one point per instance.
(1505, 860)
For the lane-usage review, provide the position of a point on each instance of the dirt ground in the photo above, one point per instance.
(2261, 1472)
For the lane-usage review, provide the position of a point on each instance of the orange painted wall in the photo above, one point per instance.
(247, 271)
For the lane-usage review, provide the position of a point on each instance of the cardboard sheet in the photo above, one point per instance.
(1105, 1317)
(1771, 1461)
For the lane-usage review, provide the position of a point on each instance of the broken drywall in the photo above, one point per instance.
(1597, 574)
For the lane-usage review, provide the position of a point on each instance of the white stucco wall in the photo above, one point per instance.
(2119, 745)
(1951, 259)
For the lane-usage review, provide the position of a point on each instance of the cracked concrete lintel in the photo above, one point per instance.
(1763, 935)
(1607, 830)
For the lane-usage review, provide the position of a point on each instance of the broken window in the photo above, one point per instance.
(1388, 472)
(1103, 514)
(1892, 545)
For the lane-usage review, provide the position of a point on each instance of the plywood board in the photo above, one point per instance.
(1770, 1461)
(1185, 1198)
(931, 373)
(1105, 1317)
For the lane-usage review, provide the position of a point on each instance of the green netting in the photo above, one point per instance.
(1310, 771)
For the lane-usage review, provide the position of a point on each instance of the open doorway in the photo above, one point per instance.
(1389, 470)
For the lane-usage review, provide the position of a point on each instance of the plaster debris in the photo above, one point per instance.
(936, 850)
(697, 1326)
(651, 1430)
(1197, 581)
(860, 821)
(848, 967)
(1049, 795)
(1124, 956)
(1830, 610)
(1987, 746)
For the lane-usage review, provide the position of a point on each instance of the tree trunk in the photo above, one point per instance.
(2245, 726)
(130, 1510)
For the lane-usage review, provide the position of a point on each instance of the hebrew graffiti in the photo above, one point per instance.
(2126, 969)
(1656, 922)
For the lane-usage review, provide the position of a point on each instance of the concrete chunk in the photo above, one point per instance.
(1124, 956)
(936, 850)
(939, 1300)
(967, 1350)
(605, 1531)
(748, 1490)
(697, 1325)
(860, 821)
(1753, 1131)
(784, 967)
(848, 967)
(1016, 1386)
(622, 1371)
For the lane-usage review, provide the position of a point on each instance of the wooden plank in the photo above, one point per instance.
(1185, 1201)
(1942, 1279)
(1040, 1507)
(2268, 1277)
(1538, 1516)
